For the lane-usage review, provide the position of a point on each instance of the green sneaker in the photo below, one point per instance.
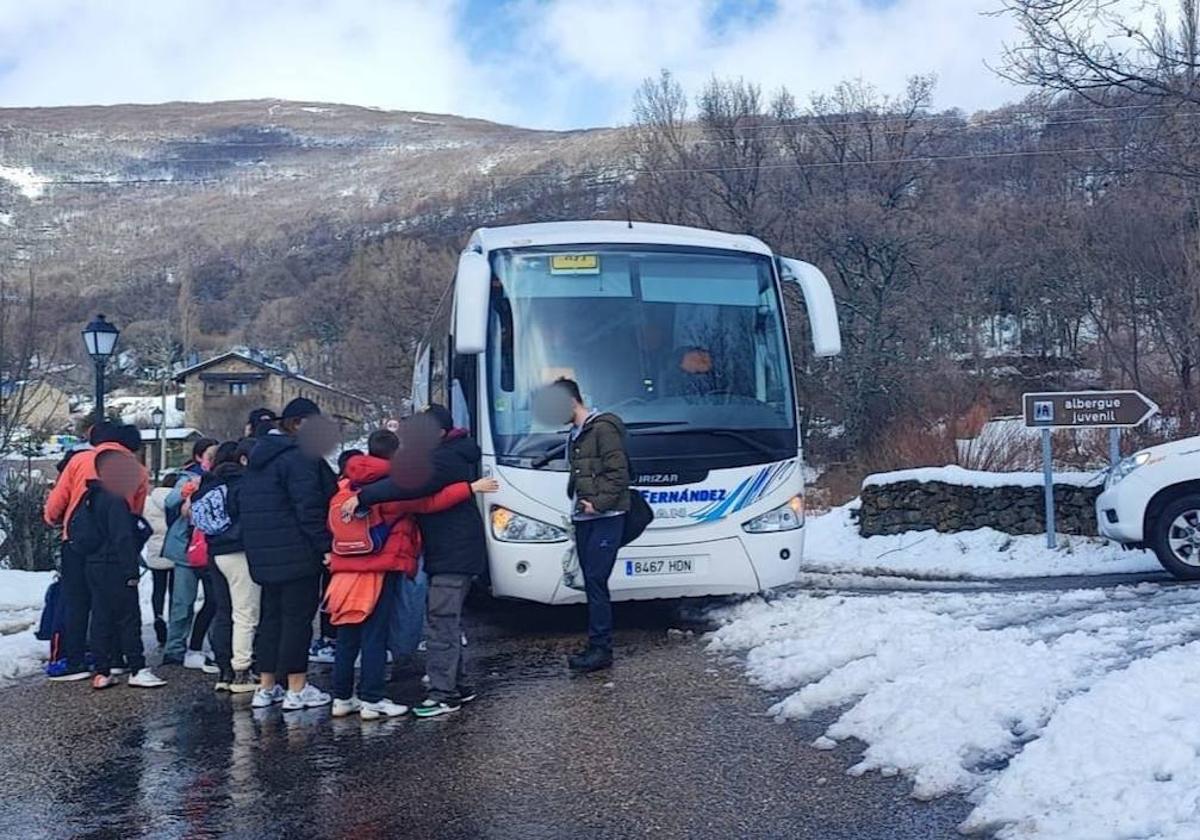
(433, 708)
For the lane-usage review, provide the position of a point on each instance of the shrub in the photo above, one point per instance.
(27, 543)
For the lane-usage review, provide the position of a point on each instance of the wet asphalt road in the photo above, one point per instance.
(671, 743)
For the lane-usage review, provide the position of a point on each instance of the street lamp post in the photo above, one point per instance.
(158, 417)
(100, 340)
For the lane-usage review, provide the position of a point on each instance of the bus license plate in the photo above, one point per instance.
(660, 566)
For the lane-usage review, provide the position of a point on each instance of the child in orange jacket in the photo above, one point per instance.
(360, 579)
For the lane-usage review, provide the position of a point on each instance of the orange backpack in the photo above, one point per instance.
(362, 534)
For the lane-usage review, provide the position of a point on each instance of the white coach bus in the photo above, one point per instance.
(680, 332)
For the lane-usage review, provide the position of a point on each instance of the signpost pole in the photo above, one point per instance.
(1048, 477)
(1114, 446)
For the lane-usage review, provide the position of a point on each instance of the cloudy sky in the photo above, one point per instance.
(542, 63)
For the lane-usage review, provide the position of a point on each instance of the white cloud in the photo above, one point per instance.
(556, 63)
(391, 53)
(807, 45)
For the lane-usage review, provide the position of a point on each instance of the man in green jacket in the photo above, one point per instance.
(599, 490)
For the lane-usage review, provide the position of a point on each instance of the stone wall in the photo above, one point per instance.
(896, 507)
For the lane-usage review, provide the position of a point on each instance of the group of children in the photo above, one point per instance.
(269, 532)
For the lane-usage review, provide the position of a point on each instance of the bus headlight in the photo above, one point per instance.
(509, 526)
(787, 517)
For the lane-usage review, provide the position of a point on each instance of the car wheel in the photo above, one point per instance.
(1175, 537)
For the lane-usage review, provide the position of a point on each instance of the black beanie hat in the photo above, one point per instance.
(103, 432)
(442, 415)
(128, 436)
(300, 408)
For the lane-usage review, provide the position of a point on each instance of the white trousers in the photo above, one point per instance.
(246, 596)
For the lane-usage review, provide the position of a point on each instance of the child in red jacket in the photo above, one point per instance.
(358, 578)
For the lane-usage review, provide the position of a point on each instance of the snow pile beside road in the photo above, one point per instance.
(981, 478)
(1061, 713)
(832, 544)
(21, 596)
(1117, 761)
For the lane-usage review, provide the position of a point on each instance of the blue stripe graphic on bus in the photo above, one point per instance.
(749, 491)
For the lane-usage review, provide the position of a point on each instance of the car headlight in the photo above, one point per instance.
(787, 517)
(509, 526)
(1125, 466)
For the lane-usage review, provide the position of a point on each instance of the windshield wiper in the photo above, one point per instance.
(558, 449)
(549, 455)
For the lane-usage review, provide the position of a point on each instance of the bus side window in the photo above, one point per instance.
(502, 325)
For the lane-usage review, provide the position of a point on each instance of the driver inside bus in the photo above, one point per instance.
(692, 373)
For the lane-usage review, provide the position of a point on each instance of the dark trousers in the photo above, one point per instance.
(328, 629)
(220, 630)
(370, 639)
(443, 634)
(78, 602)
(160, 593)
(116, 618)
(285, 625)
(597, 541)
(205, 616)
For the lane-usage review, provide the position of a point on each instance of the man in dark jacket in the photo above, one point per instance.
(598, 487)
(284, 506)
(455, 553)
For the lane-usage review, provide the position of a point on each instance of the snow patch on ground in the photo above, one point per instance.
(21, 595)
(27, 182)
(981, 478)
(832, 544)
(1060, 713)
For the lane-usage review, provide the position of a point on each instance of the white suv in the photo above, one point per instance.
(1152, 500)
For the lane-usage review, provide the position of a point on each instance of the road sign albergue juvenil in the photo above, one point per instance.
(1087, 409)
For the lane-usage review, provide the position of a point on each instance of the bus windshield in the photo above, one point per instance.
(682, 344)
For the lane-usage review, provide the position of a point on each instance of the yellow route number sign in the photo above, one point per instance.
(575, 264)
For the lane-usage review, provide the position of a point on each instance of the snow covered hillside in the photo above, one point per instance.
(832, 545)
(1061, 714)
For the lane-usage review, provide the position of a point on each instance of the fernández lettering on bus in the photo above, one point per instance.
(667, 497)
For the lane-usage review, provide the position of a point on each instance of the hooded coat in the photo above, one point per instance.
(402, 550)
(600, 465)
(229, 475)
(454, 538)
(283, 503)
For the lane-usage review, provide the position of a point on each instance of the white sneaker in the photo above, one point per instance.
(309, 697)
(117, 672)
(265, 697)
(343, 708)
(382, 708)
(145, 678)
(322, 652)
(196, 661)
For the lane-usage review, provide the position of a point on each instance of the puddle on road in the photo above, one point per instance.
(212, 766)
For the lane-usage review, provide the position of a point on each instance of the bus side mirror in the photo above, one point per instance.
(818, 300)
(472, 293)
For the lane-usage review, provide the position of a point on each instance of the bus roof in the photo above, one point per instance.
(611, 232)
